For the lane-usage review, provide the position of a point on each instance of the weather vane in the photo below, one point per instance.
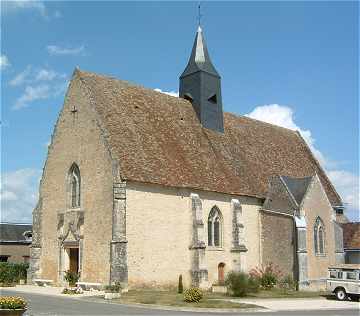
(199, 13)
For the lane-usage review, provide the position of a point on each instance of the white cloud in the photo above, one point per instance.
(31, 76)
(284, 116)
(8, 196)
(22, 5)
(4, 62)
(40, 84)
(171, 93)
(32, 94)
(46, 75)
(346, 183)
(57, 50)
(21, 77)
(19, 194)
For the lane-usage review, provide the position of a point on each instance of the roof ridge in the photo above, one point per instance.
(153, 90)
(129, 83)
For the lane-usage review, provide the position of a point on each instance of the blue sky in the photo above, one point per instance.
(294, 64)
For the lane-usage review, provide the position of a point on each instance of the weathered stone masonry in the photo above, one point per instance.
(118, 244)
(238, 244)
(199, 272)
(35, 249)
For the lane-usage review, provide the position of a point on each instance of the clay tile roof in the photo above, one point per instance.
(14, 233)
(351, 235)
(158, 139)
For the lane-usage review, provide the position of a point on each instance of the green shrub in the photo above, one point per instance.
(71, 291)
(180, 286)
(268, 281)
(113, 288)
(268, 276)
(287, 283)
(12, 302)
(12, 272)
(193, 295)
(71, 277)
(240, 283)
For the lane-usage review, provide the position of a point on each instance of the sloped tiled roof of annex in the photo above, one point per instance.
(297, 187)
(10, 232)
(351, 235)
(158, 139)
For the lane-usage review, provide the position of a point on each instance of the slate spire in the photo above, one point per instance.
(200, 83)
(199, 59)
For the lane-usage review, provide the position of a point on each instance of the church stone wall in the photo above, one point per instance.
(77, 138)
(277, 241)
(317, 204)
(17, 253)
(250, 217)
(159, 224)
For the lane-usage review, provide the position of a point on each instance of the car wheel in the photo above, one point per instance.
(341, 294)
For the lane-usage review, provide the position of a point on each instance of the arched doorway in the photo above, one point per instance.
(221, 273)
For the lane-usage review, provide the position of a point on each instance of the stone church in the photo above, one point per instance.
(142, 187)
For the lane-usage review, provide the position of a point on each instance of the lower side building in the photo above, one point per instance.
(15, 241)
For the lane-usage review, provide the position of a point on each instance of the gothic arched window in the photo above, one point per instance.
(319, 236)
(74, 186)
(215, 227)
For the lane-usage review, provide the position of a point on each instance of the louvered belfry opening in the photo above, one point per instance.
(200, 83)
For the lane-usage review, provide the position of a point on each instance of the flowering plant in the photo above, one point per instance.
(12, 302)
(267, 275)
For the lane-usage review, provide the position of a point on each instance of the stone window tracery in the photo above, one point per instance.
(74, 186)
(319, 237)
(215, 228)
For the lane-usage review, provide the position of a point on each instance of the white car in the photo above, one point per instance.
(344, 281)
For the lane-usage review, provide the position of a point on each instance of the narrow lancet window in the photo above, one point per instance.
(319, 237)
(74, 182)
(215, 228)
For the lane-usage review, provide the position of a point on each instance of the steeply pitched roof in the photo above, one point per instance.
(158, 139)
(199, 58)
(351, 235)
(14, 232)
(297, 187)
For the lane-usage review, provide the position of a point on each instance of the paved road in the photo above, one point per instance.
(51, 305)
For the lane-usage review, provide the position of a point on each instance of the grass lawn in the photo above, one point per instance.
(168, 298)
(210, 300)
(278, 293)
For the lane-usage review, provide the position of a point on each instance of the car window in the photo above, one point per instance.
(333, 274)
(336, 274)
(351, 275)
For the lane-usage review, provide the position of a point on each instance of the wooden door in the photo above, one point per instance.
(74, 260)
(221, 273)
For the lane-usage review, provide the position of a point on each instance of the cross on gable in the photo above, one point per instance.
(74, 111)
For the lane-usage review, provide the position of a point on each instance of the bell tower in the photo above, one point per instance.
(200, 83)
